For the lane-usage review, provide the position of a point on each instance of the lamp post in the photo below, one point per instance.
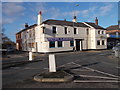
(74, 21)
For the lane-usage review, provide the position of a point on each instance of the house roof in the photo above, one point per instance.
(95, 26)
(64, 23)
(27, 28)
(113, 27)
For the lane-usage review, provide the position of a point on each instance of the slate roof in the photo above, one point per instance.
(95, 26)
(113, 27)
(64, 23)
(27, 28)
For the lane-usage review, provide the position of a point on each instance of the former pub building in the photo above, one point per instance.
(61, 35)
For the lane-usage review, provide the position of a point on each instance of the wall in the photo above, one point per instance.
(43, 43)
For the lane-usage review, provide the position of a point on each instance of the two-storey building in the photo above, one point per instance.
(61, 35)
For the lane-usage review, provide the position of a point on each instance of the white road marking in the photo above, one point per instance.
(45, 68)
(98, 71)
(98, 77)
(118, 67)
(92, 81)
(80, 70)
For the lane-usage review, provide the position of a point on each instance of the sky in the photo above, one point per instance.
(16, 14)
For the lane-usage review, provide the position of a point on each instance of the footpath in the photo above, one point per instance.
(17, 58)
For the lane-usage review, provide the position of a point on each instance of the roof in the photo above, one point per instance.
(95, 26)
(27, 28)
(64, 23)
(113, 27)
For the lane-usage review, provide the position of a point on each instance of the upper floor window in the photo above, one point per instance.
(87, 31)
(43, 29)
(102, 32)
(75, 31)
(66, 30)
(98, 32)
(54, 30)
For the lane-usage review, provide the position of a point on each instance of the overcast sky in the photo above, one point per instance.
(14, 15)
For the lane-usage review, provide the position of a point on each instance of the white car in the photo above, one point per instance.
(117, 47)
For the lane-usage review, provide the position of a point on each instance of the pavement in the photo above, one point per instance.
(18, 58)
(91, 69)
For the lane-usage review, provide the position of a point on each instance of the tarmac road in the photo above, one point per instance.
(102, 62)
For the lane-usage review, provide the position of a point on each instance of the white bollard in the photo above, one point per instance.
(30, 56)
(52, 64)
(117, 53)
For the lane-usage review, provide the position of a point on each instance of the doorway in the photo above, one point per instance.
(78, 44)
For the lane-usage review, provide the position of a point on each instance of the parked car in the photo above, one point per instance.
(117, 47)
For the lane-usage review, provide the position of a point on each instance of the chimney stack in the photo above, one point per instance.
(96, 21)
(26, 25)
(39, 18)
(75, 19)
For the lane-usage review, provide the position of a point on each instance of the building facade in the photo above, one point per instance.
(61, 35)
(113, 32)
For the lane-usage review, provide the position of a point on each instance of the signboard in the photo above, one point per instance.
(60, 39)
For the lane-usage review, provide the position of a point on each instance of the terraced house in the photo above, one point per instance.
(61, 35)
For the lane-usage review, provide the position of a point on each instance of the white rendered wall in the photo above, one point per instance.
(43, 43)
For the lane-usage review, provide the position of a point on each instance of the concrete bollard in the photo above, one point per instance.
(52, 64)
(117, 53)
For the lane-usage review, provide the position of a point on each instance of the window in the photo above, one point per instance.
(59, 43)
(98, 42)
(71, 43)
(52, 44)
(43, 29)
(66, 32)
(54, 30)
(75, 30)
(87, 31)
(103, 42)
(102, 32)
(98, 32)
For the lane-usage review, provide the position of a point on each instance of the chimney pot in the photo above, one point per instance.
(96, 21)
(26, 25)
(75, 19)
(40, 13)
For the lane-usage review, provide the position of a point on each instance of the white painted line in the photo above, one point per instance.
(45, 68)
(92, 81)
(80, 70)
(118, 67)
(99, 71)
(98, 77)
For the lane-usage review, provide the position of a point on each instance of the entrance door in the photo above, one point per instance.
(77, 45)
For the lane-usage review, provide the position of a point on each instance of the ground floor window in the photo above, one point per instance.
(71, 43)
(103, 42)
(52, 44)
(98, 42)
(60, 44)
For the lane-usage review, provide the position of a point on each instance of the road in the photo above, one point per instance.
(85, 63)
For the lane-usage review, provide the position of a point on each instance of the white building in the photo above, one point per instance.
(57, 35)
